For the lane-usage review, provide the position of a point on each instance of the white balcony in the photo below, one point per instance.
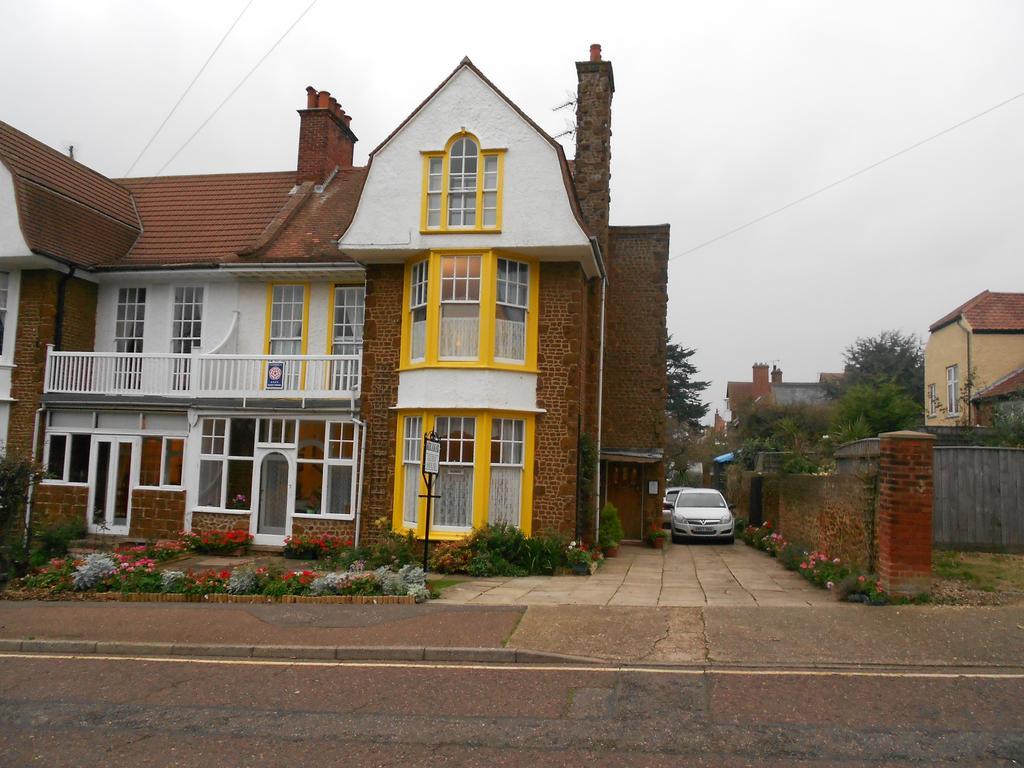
(203, 375)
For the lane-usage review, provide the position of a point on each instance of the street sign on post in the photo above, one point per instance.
(429, 467)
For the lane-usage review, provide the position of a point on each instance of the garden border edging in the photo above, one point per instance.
(159, 597)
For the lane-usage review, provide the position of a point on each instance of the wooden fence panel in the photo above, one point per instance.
(979, 498)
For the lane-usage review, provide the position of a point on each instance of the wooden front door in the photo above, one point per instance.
(625, 491)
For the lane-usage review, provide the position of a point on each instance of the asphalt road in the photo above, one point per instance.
(137, 712)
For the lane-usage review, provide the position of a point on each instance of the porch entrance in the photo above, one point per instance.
(275, 484)
(111, 469)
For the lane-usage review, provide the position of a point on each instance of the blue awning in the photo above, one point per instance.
(725, 458)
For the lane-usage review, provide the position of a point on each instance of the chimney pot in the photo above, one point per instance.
(325, 142)
(311, 96)
(324, 99)
(595, 52)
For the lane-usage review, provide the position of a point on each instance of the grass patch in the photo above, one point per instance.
(986, 571)
(439, 585)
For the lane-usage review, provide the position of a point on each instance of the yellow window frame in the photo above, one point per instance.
(445, 157)
(481, 471)
(488, 300)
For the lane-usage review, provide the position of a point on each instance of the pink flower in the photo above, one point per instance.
(835, 561)
(829, 585)
(860, 578)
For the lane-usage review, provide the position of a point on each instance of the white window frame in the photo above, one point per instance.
(516, 296)
(953, 390)
(163, 463)
(130, 320)
(328, 461)
(63, 479)
(287, 308)
(5, 284)
(509, 435)
(435, 184)
(412, 447)
(462, 183)
(459, 285)
(186, 332)
(446, 461)
(419, 292)
(224, 457)
(347, 320)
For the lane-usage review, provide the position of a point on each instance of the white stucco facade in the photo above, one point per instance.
(436, 388)
(12, 241)
(537, 217)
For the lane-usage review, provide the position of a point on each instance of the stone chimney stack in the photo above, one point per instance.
(776, 375)
(592, 166)
(326, 141)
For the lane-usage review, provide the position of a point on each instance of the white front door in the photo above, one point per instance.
(275, 483)
(112, 469)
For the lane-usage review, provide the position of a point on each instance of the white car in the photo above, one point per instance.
(668, 504)
(702, 513)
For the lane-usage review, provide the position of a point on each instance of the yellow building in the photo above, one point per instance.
(970, 350)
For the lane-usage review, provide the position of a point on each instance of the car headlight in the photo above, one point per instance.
(726, 518)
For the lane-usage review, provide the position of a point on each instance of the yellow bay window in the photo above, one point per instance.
(471, 310)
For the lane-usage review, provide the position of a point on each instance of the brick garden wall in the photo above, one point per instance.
(55, 504)
(157, 514)
(831, 513)
(304, 525)
(213, 521)
(382, 342)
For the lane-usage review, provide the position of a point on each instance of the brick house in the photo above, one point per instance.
(768, 388)
(973, 360)
(265, 350)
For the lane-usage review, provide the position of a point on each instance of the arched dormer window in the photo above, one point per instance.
(462, 187)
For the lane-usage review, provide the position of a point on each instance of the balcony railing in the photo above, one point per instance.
(203, 376)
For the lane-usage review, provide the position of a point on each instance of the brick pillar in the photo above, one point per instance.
(905, 485)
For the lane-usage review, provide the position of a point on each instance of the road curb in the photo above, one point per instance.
(292, 652)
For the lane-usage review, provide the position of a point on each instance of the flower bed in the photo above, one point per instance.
(124, 574)
(503, 550)
(817, 567)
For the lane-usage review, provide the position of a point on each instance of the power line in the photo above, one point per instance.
(189, 88)
(237, 88)
(843, 180)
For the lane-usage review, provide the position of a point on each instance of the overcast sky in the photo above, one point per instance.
(723, 111)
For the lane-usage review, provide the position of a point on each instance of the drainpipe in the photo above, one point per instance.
(600, 406)
(58, 332)
(359, 485)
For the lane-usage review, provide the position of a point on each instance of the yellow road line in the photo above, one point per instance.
(428, 665)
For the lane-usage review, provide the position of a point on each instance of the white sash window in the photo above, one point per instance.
(506, 491)
(287, 314)
(412, 439)
(454, 510)
(462, 172)
(186, 331)
(128, 333)
(512, 300)
(460, 308)
(418, 311)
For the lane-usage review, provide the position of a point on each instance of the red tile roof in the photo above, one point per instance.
(312, 231)
(203, 219)
(65, 209)
(989, 311)
(1011, 383)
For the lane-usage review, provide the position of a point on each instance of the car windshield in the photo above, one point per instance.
(709, 499)
(671, 496)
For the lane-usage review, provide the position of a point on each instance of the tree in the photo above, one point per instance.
(878, 407)
(684, 391)
(889, 356)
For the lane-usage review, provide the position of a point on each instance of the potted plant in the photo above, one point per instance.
(610, 533)
(580, 558)
(657, 538)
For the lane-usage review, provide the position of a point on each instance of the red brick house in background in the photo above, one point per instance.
(265, 350)
(768, 388)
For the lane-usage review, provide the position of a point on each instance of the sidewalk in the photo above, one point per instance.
(843, 635)
(679, 576)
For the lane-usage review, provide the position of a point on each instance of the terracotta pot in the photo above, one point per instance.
(612, 551)
(658, 542)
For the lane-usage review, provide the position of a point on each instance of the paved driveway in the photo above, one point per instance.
(681, 575)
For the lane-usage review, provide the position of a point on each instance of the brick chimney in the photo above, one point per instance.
(761, 386)
(776, 375)
(592, 165)
(326, 141)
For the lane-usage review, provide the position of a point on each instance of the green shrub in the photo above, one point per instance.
(611, 532)
(53, 542)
